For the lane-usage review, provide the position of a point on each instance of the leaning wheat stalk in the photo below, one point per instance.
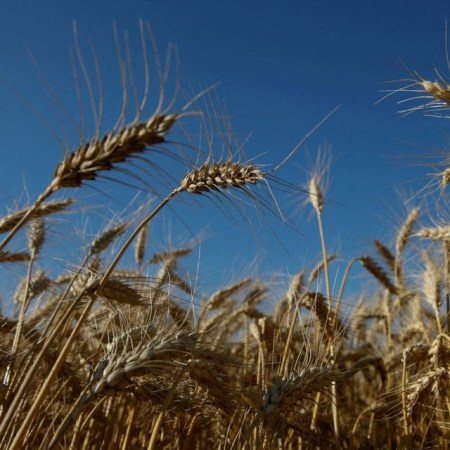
(218, 176)
(99, 155)
(317, 200)
(8, 222)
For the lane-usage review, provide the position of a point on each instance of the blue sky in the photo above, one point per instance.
(282, 67)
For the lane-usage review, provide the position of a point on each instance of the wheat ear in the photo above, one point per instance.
(10, 257)
(11, 220)
(439, 91)
(435, 233)
(115, 147)
(387, 255)
(375, 269)
(432, 285)
(99, 155)
(403, 237)
(445, 178)
(217, 176)
(436, 90)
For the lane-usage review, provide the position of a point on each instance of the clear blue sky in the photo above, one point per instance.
(283, 65)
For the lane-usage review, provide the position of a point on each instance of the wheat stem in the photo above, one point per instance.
(334, 410)
(135, 233)
(157, 426)
(40, 200)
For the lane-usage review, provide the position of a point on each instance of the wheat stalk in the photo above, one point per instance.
(103, 154)
(11, 220)
(219, 176)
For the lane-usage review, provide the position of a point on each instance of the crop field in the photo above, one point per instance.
(119, 348)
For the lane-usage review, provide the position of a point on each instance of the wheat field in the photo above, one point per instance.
(106, 355)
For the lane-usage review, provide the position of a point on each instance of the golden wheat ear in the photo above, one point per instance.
(220, 177)
(8, 222)
(430, 97)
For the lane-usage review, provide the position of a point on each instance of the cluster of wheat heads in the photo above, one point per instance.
(107, 357)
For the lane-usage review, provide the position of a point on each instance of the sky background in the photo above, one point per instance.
(282, 67)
